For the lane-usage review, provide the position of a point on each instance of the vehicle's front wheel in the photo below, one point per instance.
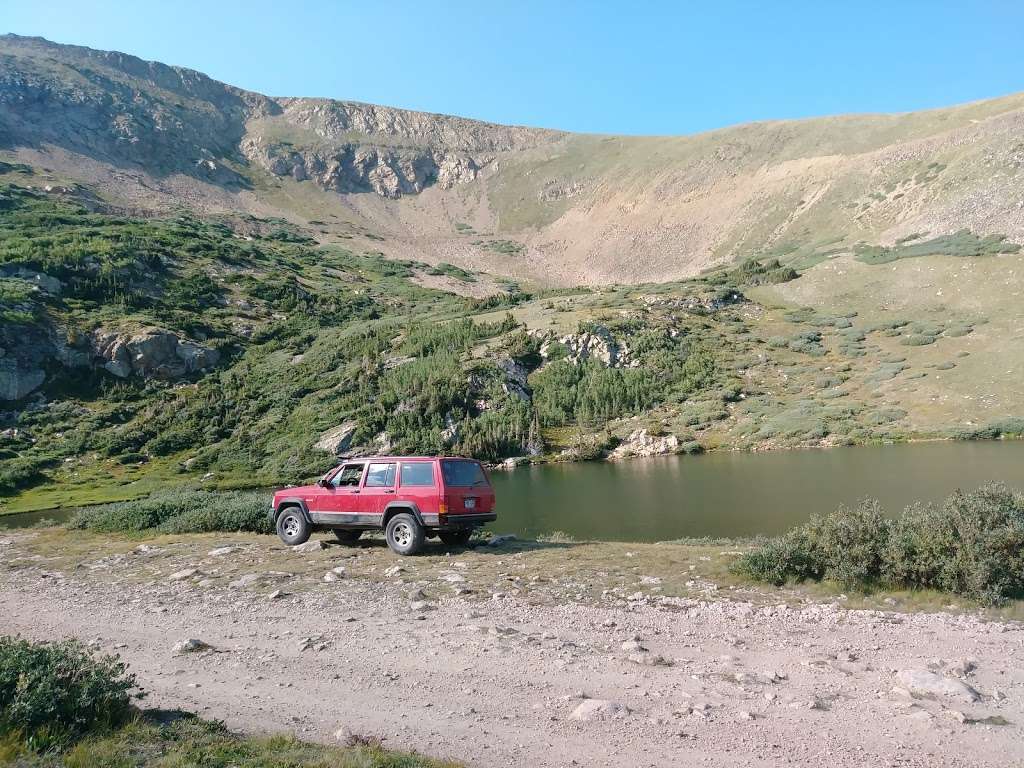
(404, 534)
(292, 527)
(456, 538)
(346, 536)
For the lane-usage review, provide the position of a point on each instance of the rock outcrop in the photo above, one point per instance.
(150, 353)
(515, 378)
(641, 443)
(598, 344)
(389, 172)
(337, 440)
(25, 352)
(18, 381)
(39, 280)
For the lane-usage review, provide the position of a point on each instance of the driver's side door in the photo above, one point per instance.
(339, 502)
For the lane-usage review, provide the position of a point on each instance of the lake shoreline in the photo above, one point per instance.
(504, 469)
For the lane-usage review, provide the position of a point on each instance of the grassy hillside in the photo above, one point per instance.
(316, 338)
(199, 284)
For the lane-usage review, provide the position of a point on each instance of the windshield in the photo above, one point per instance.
(463, 473)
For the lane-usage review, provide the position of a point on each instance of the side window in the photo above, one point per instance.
(380, 476)
(419, 473)
(349, 476)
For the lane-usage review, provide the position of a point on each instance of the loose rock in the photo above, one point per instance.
(314, 545)
(922, 682)
(191, 645)
(599, 709)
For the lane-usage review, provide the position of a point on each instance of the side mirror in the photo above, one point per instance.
(323, 482)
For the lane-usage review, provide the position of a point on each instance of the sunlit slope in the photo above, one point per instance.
(535, 204)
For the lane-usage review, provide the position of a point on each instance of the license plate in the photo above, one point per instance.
(470, 503)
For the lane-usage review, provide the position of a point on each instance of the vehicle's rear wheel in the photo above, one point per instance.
(456, 538)
(404, 534)
(346, 536)
(292, 527)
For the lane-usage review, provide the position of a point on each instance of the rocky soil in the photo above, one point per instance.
(480, 656)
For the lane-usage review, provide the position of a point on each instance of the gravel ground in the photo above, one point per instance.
(496, 678)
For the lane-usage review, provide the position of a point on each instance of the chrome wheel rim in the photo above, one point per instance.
(402, 535)
(290, 526)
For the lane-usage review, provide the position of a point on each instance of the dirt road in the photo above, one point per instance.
(525, 674)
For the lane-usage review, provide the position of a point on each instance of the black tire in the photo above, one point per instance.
(456, 538)
(292, 527)
(404, 534)
(347, 536)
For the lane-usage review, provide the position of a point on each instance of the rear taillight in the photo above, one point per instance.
(442, 508)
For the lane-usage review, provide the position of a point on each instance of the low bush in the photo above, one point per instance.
(21, 472)
(54, 693)
(179, 511)
(970, 545)
(963, 243)
(1012, 427)
(917, 340)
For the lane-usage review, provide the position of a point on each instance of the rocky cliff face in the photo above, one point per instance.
(338, 121)
(388, 172)
(596, 344)
(151, 353)
(352, 147)
(121, 109)
(32, 352)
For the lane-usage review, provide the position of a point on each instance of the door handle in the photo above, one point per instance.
(388, 491)
(356, 491)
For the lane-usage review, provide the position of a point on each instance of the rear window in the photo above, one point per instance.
(462, 473)
(420, 473)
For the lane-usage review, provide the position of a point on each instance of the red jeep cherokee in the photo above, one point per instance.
(411, 498)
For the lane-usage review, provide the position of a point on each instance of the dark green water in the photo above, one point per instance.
(727, 494)
(739, 494)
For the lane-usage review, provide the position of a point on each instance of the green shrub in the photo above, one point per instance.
(451, 270)
(781, 559)
(179, 511)
(808, 342)
(53, 693)
(21, 472)
(917, 340)
(971, 545)
(1010, 427)
(963, 243)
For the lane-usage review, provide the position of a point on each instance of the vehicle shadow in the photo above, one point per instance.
(436, 547)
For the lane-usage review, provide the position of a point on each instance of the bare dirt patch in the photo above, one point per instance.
(485, 655)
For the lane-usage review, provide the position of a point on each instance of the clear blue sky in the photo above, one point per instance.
(628, 67)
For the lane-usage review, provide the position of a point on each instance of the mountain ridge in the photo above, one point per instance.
(533, 203)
